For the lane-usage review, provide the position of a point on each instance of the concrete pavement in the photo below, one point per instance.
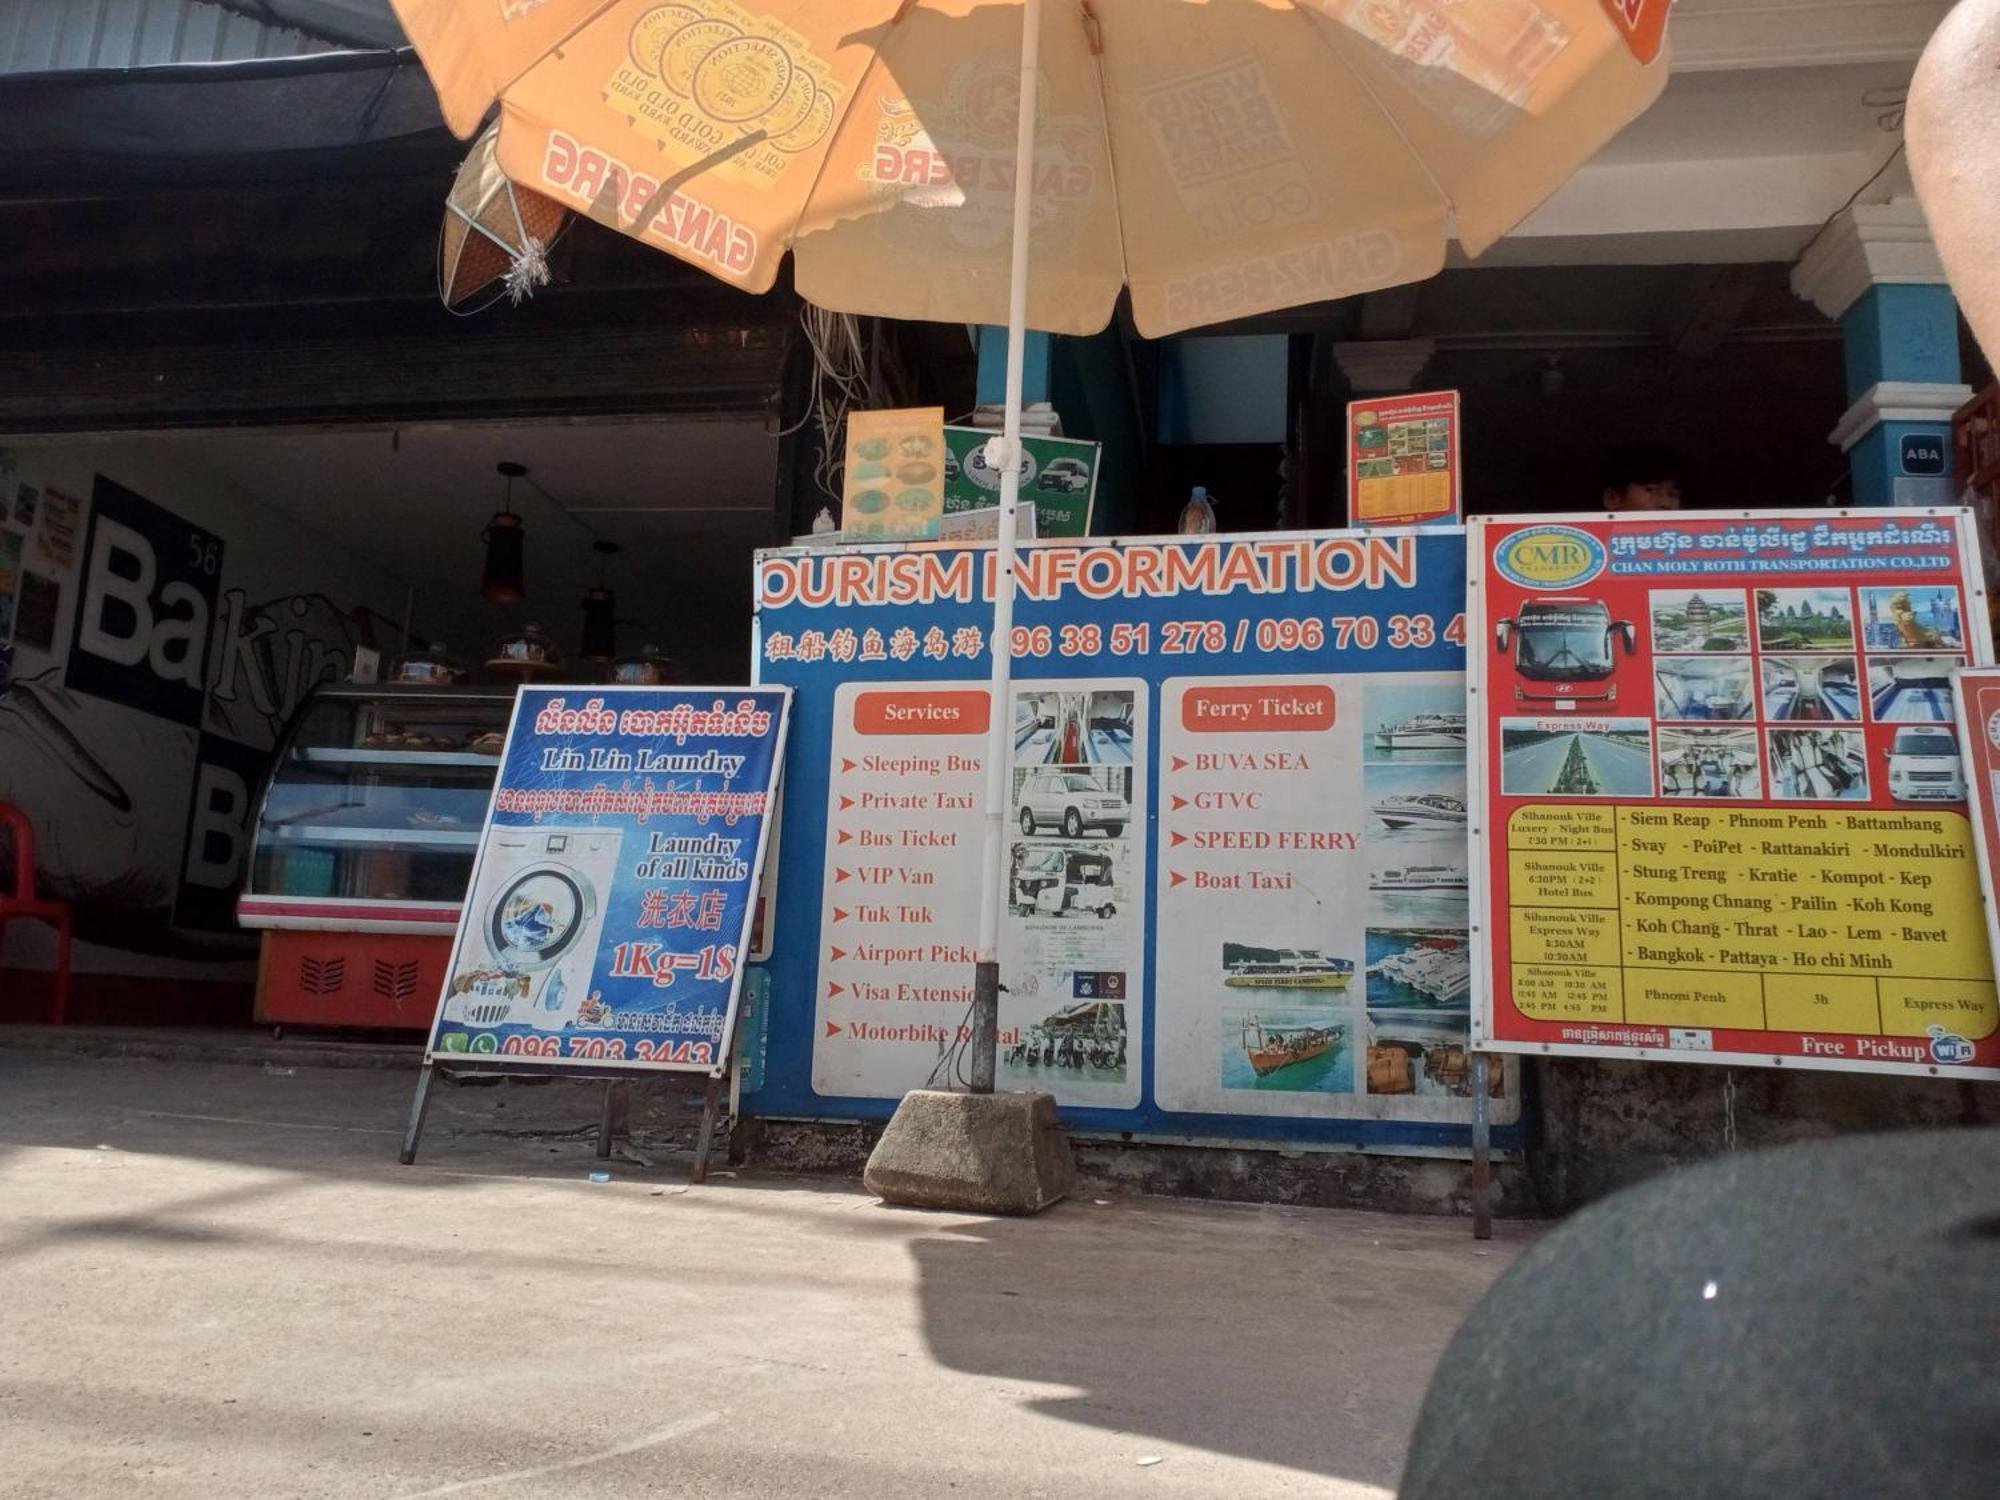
(219, 1282)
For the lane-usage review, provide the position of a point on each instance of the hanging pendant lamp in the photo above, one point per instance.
(503, 580)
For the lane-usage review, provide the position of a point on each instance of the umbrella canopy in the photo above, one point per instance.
(1222, 159)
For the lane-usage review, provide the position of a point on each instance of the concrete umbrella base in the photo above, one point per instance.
(978, 1153)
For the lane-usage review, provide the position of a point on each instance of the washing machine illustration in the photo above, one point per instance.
(539, 907)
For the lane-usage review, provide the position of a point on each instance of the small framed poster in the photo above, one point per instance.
(1403, 460)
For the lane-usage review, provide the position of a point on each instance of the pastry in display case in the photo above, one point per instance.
(433, 666)
(646, 667)
(363, 846)
(529, 655)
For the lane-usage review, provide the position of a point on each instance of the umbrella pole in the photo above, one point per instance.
(999, 734)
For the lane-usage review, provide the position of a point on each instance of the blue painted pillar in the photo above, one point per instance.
(992, 386)
(1875, 270)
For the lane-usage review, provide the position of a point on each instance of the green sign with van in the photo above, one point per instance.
(1058, 474)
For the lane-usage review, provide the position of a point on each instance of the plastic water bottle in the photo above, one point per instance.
(1198, 516)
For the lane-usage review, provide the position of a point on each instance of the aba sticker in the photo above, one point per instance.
(1549, 557)
(1948, 1047)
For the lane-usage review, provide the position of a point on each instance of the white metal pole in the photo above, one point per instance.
(1000, 731)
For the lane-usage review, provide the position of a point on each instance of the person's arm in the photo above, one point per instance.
(1953, 130)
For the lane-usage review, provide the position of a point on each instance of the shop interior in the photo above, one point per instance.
(662, 516)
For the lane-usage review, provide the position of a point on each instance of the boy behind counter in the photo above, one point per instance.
(1642, 476)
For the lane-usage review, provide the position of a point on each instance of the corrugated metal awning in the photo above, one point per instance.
(51, 36)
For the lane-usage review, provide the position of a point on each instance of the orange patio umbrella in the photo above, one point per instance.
(1222, 158)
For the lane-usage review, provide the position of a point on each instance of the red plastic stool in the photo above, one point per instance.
(23, 902)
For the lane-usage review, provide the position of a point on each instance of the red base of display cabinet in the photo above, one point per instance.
(351, 978)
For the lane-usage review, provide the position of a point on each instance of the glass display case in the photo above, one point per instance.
(373, 808)
(362, 849)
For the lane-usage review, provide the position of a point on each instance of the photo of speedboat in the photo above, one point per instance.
(1424, 809)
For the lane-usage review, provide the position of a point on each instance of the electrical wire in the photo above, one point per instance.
(951, 1061)
(1854, 197)
(840, 384)
(1890, 105)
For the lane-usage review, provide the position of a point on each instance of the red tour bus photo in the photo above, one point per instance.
(1563, 642)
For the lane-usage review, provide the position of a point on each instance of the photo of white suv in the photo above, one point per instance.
(1071, 802)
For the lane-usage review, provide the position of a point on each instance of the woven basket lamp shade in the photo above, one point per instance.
(494, 231)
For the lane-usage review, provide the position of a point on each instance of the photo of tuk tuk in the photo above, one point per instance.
(1062, 882)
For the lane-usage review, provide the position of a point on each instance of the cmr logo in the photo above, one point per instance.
(149, 589)
(1549, 557)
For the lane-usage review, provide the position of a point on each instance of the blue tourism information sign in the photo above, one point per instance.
(608, 916)
(1236, 863)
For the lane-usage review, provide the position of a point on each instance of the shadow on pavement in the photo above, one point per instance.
(1201, 1327)
(1297, 1338)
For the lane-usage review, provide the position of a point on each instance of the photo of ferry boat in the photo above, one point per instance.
(1419, 968)
(1425, 878)
(1415, 722)
(1411, 891)
(1423, 732)
(1290, 1051)
(1269, 1050)
(1246, 967)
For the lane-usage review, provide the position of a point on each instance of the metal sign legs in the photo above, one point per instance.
(614, 1115)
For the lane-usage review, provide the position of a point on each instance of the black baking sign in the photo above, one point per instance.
(149, 586)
